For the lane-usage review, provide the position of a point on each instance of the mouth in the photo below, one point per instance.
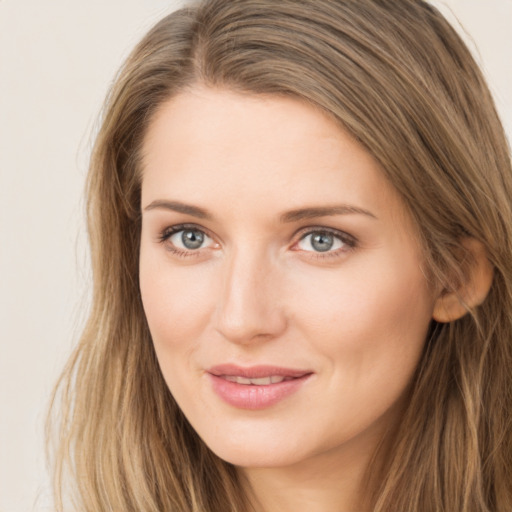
(256, 387)
(262, 381)
(256, 373)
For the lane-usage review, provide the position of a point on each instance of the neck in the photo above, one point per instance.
(298, 490)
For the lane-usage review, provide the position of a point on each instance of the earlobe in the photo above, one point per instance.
(454, 304)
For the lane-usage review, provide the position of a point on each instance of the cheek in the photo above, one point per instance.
(367, 318)
(177, 302)
(370, 330)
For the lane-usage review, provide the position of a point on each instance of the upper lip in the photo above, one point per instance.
(256, 372)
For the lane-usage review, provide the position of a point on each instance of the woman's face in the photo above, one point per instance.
(280, 275)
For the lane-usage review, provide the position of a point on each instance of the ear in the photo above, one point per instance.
(454, 304)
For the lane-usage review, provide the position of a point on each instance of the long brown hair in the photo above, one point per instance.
(395, 75)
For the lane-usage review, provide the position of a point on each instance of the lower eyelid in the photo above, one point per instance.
(181, 253)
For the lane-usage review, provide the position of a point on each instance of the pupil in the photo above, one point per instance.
(322, 242)
(192, 239)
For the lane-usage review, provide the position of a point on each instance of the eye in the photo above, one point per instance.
(324, 241)
(190, 239)
(183, 239)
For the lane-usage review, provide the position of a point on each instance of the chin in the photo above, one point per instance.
(256, 458)
(257, 451)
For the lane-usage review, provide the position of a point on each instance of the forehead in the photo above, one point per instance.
(228, 149)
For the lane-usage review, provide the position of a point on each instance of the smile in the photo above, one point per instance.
(263, 381)
(256, 387)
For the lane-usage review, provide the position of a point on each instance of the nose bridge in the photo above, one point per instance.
(249, 303)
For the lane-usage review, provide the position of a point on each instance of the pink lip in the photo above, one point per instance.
(249, 396)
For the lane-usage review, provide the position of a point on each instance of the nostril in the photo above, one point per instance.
(246, 326)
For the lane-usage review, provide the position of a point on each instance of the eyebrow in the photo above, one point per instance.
(324, 211)
(176, 206)
(287, 217)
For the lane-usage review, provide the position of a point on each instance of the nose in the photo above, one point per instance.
(251, 304)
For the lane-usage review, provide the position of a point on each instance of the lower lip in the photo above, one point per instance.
(250, 396)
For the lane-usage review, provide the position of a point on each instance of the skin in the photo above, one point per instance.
(257, 291)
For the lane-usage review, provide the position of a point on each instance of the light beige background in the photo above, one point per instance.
(57, 58)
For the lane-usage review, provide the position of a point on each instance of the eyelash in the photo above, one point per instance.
(349, 242)
(166, 234)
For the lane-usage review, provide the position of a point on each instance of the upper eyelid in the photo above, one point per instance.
(324, 229)
(176, 228)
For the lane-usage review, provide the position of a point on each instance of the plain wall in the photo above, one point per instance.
(57, 59)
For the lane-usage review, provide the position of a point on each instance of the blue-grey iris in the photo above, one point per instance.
(192, 239)
(322, 242)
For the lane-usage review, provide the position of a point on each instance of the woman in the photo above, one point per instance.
(301, 236)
